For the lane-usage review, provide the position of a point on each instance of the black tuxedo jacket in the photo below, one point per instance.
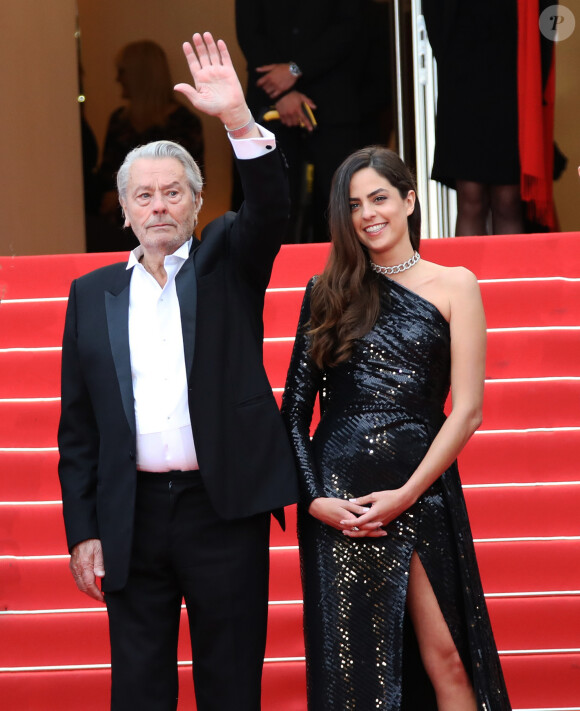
(243, 452)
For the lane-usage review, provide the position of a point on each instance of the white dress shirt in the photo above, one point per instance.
(164, 433)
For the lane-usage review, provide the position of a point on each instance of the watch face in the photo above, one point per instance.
(295, 70)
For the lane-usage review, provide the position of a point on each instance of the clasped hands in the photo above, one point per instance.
(363, 517)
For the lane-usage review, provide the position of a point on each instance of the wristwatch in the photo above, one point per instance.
(294, 70)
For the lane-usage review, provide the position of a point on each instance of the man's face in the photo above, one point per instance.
(159, 205)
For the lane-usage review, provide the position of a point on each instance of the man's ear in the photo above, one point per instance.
(127, 222)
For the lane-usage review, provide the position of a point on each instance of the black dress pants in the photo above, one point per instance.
(183, 550)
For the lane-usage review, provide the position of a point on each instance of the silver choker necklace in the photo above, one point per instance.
(397, 268)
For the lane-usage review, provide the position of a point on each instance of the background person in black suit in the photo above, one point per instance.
(172, 449)
(306, 52)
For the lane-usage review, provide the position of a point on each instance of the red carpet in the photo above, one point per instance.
(520, 473)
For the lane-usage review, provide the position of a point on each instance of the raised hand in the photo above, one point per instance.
(217, 90)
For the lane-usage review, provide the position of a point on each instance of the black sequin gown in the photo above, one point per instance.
(380, 412)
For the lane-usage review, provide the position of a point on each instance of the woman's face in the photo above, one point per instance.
(379, 216)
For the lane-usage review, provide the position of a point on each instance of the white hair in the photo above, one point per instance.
(161, 149)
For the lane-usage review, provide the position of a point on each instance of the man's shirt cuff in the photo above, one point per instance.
(255, 147)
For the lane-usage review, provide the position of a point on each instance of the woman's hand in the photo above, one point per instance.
(382, 507)
(345, 516)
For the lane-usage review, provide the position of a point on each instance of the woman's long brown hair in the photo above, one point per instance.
(345, 298)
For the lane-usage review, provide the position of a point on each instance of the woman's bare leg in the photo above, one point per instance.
(441, 659)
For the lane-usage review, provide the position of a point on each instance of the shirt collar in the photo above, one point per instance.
(181, 253)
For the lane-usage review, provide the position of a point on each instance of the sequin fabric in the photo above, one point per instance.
(379, 413)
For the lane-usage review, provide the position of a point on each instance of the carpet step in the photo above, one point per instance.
(283, 689)
(543, 681)
(32, 325)
(519, 624)
(510, 256)
(513, 405)
(36, 373)
(488, 458)
(29, 476)
(548, 354)
(28, 640)
(518, 512)
(528, 566)
(499, 457)
(510, 304)
(49, 275)
(546, 682)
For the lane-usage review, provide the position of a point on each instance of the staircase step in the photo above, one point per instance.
(531, 303)
(36, 373)
(546, 682)
(550, 353)
(30, 373)
(32, 325)
(529, 566)
(33, 529)
(511, 256)
(283, 688)
(524, 512)
(52, 638)
(554, 686)
(531, 404)
(522, 405)
(497, 457)
(513, 405)
(509, 304)
(519, 624)
(29, 424)
(488, 458)
(29, 476)
(506, 567)
(49, 275)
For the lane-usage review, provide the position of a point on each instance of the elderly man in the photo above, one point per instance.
(172, 450)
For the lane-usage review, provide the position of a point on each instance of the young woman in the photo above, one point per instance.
(394, 611)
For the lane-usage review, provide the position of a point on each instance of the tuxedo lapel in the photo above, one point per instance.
(117, 308)
(186, 287)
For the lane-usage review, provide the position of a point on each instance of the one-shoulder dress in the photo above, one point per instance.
(380, 411)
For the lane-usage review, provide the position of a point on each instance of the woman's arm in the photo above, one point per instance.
(468, 345)
(303, 383)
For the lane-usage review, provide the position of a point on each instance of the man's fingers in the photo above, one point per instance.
(211, 48)
(191, 57)
(224, 52)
